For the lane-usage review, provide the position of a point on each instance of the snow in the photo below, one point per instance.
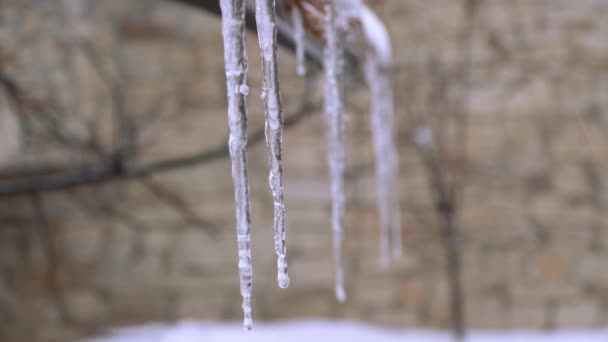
(267, 35)
(235, 59)
(376, 35)
(304, 331)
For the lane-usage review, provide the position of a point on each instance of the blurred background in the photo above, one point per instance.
(117, 200)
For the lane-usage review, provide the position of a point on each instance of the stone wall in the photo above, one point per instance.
(534, 238)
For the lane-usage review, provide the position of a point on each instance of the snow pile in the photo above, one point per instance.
(190, 331)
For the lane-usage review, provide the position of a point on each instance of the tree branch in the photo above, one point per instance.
(313, 48)
(114, 167)
(108, 170)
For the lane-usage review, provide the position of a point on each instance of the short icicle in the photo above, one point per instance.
(299, 39)
(334, 109)
(267, 36)
(235, 55)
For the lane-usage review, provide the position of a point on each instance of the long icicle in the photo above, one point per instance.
(334, 109)
(383, 182)
(235, 55)
(397, 235)
(387, 160)
(267, 36)
(377, 67)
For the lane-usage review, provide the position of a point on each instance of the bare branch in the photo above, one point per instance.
(175, 201)
(111, 169)
(314, 49)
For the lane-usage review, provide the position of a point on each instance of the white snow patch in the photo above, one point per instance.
(377, 35)
(304, 331)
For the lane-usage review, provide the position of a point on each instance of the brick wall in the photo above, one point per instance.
(532, 213)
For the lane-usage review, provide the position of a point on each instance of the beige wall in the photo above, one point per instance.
(534, 225)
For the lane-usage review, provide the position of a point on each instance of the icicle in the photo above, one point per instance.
(235, 55)
(299, 39)
(377, 64)
(397, 230)
(334, 109)
(381, 118)
(267, 36)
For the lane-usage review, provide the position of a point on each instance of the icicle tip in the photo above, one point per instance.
(340, 294)
(282, 275)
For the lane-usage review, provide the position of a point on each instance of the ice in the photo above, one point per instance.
(334, 109)
(387, 160)
(377, 55)
(299, 39)
(267, 36)
(339, 16)
(235, 56)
